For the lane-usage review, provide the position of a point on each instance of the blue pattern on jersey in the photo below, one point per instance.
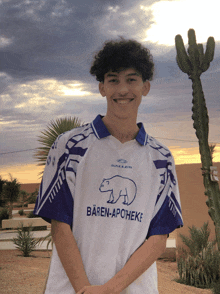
(155, 145)
(165, 221)
(57, 201)
(160, 163)
(168, 216)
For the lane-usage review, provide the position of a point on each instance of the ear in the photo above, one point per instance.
(146, 88)
(101, 89)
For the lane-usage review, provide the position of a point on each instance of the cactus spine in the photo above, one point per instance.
(194, 64)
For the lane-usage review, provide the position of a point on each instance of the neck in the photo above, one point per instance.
(123, 130)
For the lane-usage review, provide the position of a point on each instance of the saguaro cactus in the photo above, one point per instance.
(194, 64)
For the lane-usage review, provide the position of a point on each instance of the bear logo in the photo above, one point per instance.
(119, 187)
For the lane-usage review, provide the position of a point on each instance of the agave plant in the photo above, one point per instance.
(48, 136)
(25, 241)
(199, 265)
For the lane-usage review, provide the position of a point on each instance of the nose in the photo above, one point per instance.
(123, 89)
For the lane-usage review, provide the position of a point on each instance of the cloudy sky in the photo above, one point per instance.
(46, 50)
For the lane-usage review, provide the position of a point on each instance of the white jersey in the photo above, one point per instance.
(114, 196)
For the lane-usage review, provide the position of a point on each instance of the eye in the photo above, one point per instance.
(113, 81)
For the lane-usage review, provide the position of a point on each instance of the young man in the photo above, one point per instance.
(109, 189)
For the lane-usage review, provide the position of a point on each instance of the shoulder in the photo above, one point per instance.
(75, 135)
(72, 141)
(158, 150)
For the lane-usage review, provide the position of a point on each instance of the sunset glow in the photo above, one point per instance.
(23, 173)
(191, 155)
(30, 173)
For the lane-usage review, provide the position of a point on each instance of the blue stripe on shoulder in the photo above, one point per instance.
(165, 221)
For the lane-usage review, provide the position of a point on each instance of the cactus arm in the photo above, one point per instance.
(209, 54)
(210, 49)
(200, 62)
(182, 57)
(193, 51)
(183, 66)
(201, 54)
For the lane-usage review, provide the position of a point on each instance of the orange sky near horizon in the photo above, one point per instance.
(29, 173)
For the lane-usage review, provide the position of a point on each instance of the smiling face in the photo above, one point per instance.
(123, 91)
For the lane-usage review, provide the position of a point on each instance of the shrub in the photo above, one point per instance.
(216, 288)
(21, 212)
(33, 197)
(199, 265)
(31, 215)
(4, 214)
(25, 242)
(40, 228)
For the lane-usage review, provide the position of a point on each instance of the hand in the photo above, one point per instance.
(94, 289)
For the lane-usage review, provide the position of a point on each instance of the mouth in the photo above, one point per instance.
(123, 101)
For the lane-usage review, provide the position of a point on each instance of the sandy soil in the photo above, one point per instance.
(22, 275)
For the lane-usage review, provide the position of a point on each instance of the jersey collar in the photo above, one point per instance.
(101, 131)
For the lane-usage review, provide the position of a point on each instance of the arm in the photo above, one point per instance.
(69, 254)
(138, 263)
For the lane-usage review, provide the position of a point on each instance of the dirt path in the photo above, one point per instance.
(22, 275)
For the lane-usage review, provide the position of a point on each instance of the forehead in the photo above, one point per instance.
(122, 72)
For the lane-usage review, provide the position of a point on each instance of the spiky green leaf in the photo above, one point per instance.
(49, 135)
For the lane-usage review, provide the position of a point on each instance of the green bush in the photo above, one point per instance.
(199, 266)
(21, 212)
(25, 242)
(31, 215)
(33, 197)
(40, 228)
(216, 288)
(4, 214)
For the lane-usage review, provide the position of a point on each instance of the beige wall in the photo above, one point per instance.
(30, 188)
(194, 208)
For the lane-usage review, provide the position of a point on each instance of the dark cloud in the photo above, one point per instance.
(56, 38)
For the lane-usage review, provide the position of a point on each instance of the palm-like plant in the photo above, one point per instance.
(48, 136)
(23, 196)
(212, 150)
(2, 200)
(10, 192)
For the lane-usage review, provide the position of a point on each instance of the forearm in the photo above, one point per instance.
(69, 254)
(138, 263)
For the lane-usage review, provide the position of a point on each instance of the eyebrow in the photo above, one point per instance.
(115, 75)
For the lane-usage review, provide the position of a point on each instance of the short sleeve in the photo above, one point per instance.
(55, 200)
(167, 215)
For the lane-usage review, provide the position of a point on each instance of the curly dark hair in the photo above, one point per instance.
(122, 54)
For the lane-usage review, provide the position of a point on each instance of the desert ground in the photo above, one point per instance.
(22, 275)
